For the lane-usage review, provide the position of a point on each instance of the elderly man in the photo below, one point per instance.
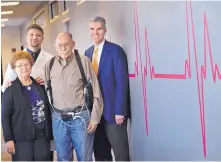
(73, 123)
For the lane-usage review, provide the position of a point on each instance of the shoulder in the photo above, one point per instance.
(48, 61)
(16, 85)
(84, 59)
(86, 62)
(87, 50)
(46, 54)
(115, 48)
(113, 45)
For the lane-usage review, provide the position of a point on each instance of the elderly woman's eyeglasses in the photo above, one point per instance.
(22, 66)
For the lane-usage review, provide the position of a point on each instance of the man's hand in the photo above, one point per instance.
(7, 83)
(10, 147)
(119, 119)
(40, 80)
(91, 127)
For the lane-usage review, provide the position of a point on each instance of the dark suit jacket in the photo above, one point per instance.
(113, 80)
(17, 121)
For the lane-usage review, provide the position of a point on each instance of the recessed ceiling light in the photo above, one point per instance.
(6, 12)
(2, 20)
(9, 3)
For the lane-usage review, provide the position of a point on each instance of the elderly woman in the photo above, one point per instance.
(26, 119)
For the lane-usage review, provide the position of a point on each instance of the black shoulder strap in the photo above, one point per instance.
(80, 66)
(49, 89)
(50, 66)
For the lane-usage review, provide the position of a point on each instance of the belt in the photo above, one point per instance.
(75, 110)
(70, 115)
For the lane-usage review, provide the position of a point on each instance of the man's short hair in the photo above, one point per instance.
(99, 19)
(35, 26)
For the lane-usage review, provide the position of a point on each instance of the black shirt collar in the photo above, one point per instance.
(34, 54)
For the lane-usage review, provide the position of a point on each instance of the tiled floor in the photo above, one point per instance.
(7, 157)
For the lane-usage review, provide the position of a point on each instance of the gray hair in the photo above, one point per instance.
(99, 19)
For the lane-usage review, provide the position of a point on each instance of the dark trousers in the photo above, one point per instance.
(113, 136)
(37, 149)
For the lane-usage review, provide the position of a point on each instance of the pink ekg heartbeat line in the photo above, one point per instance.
(200, 75)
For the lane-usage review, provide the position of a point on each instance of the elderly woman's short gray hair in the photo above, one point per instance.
(99, 19)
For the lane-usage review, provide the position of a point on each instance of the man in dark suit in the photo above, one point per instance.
(110, 64)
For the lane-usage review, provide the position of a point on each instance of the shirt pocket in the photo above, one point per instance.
(75, 79)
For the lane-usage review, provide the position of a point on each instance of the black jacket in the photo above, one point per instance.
(17, 121)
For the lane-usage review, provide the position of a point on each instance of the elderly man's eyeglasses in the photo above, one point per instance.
(22, 66)
(63, 45)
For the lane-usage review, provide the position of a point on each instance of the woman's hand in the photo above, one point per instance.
(10, 147)
(40, 80)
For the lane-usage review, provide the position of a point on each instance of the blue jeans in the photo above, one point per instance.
(69, 135)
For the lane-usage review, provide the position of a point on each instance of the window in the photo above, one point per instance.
(78, 2)
(40, 18)
(63, 5)
(54, 9)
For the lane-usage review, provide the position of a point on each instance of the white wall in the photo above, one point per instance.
(10, 37)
